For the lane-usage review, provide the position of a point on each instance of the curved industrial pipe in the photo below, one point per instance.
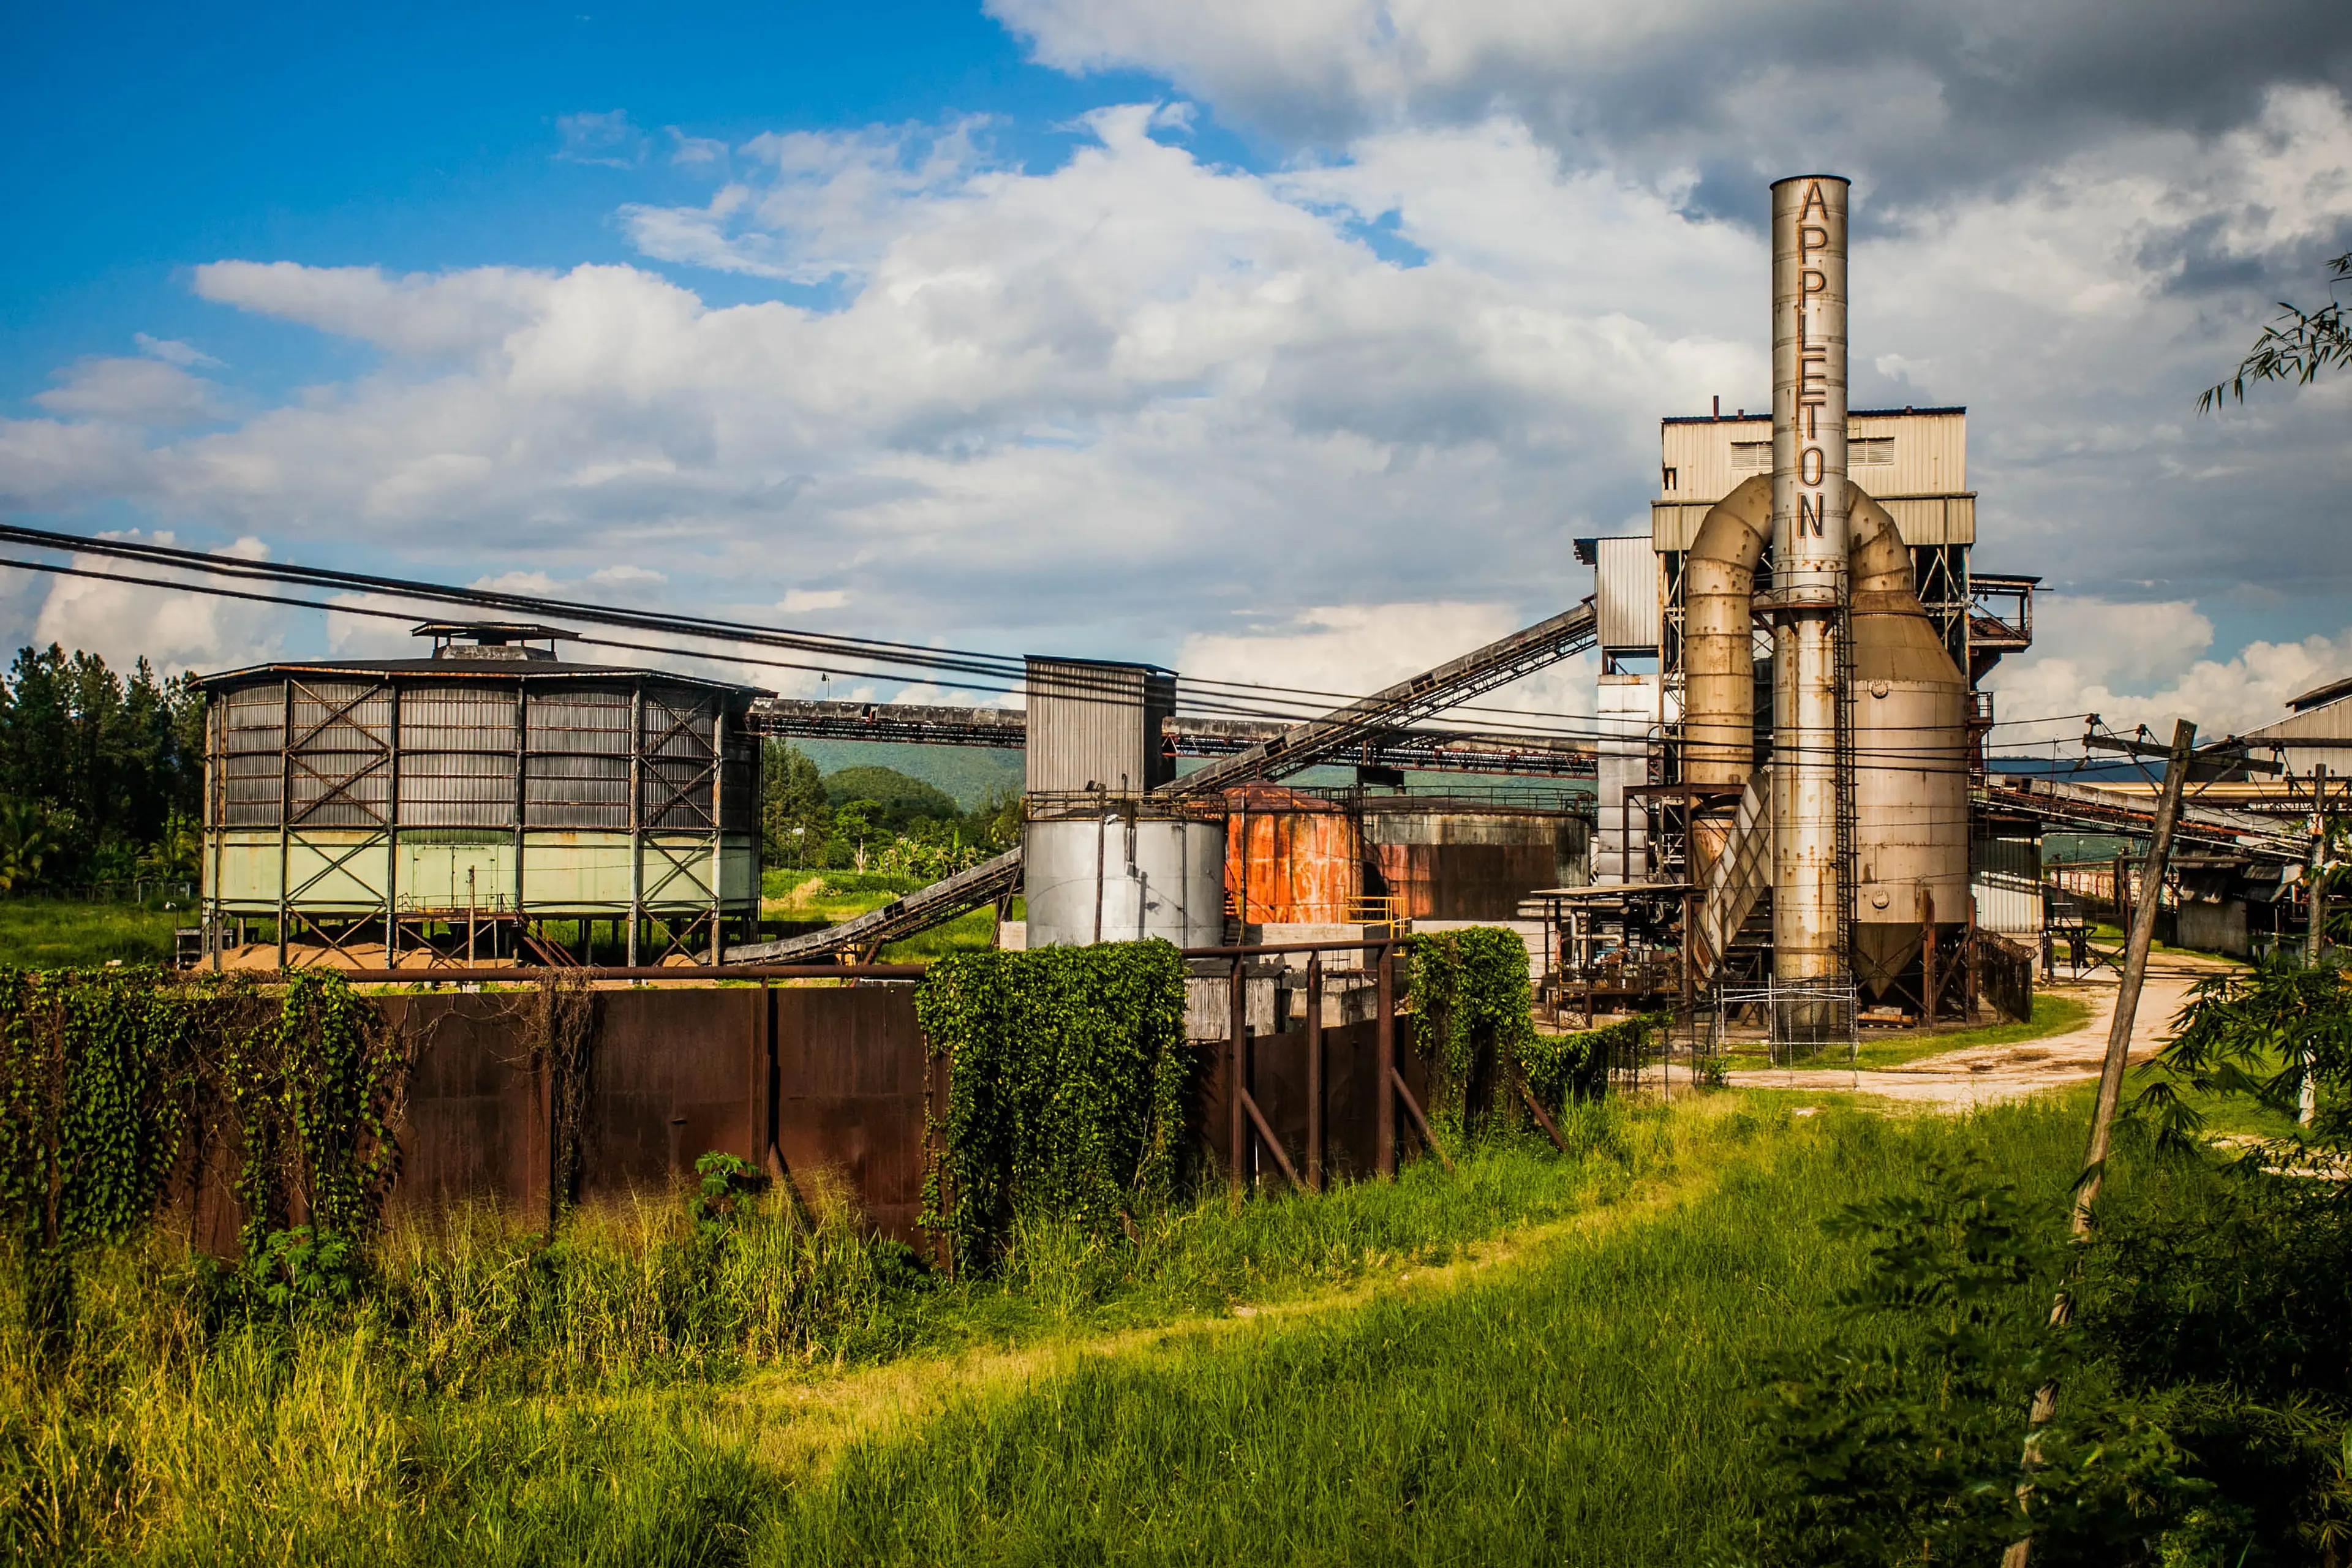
(1718, 662)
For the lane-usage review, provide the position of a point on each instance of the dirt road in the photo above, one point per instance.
(1960, 1080)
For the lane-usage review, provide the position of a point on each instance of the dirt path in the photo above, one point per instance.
(801, 1423)
(1957, 1080)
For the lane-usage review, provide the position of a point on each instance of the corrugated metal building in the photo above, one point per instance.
(491, 786)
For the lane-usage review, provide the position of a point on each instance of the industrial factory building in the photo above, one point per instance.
(1782, 795)
(466, 803)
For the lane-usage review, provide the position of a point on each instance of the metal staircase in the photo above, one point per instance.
(1741, 875)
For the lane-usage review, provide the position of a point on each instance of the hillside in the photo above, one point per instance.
(963, 774)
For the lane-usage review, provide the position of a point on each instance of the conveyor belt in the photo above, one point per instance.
(2098, 811)
(1380, 718)
(1429, 749)
(894, 922)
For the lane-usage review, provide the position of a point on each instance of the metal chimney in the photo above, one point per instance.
(1809, 570)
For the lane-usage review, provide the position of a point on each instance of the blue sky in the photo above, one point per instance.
(1285, 337)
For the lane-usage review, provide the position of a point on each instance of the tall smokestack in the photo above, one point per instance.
(1808, 569)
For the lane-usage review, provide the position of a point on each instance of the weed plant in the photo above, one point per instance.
(51, 933)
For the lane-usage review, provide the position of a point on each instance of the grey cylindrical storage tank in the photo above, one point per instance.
(1114, 876)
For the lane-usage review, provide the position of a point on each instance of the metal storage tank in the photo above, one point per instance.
(1124, 876)
(1291, 857)
(1910, 707)
(491, 787)
(1460, 859)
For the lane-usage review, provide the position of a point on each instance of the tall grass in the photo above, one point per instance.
(53, 934)
(1595, 1408)
(616, 1395)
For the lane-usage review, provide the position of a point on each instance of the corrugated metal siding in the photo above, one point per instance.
(1627, 597)
(1929, 453)
(2005, 876)
(1095, 725)
(252, 737)
(576, 774)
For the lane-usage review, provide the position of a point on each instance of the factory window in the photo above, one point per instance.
(1877, 449)
(1749, 456)
(1669, 479)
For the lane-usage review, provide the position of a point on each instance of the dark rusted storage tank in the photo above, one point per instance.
(1446, 859)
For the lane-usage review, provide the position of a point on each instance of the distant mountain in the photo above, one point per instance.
(963, 774)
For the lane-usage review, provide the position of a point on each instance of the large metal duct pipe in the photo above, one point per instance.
(1718, 610)
(1910, 749)
(1719, 659)
(1809, 575)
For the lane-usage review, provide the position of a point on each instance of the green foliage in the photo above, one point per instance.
(1478, 1032)
(1068, 1079)
(898, 800)
(725, 1182)
(104, 1075)
(2295, 347)
(99, 1070)
(100, 774)
(2199, 1383)
(2254, 1035)
(795, 819)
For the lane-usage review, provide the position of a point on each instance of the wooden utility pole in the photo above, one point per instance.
(2143, 936)
(2307, 1101)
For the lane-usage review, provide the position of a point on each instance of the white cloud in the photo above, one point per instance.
(2136, 664)
(171, 350)
(1352, 648)
(1101, 407)
(801, 601)
(132, 392)
(175, 632)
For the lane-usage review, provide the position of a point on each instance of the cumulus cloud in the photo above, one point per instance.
(132, 392)
(1364, 647)
(1918, 97)
(174, 632)
(2149, 663)
(1100, 406)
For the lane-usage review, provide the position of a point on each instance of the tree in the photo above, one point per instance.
(795, 820)
(2295, 347)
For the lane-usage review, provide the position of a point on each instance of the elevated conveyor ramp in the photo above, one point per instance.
(1378, 720)
(895, 922)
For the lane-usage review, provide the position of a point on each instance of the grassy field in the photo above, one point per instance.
(1542, 1358)
(51, 933)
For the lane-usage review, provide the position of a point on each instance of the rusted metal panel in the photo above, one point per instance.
(666, 1085)
(1277, 1076)
(475, 1122)
(1291, 857)
(850, 1071)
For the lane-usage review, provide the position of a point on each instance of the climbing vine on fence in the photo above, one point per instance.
(105, 1074)
(1069, 1077)
(1478, 1032)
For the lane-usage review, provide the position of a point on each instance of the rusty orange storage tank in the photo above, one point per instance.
(1291, 857)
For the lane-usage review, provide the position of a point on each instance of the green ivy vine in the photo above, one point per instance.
(108, 1075)
(1476, 1031)
(1068, 1082)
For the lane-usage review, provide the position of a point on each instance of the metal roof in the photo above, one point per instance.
(2320, 696)
(470, 670)
(1743, 417)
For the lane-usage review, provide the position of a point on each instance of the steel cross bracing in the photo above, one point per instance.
(1449, 751)
(1377, 719)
